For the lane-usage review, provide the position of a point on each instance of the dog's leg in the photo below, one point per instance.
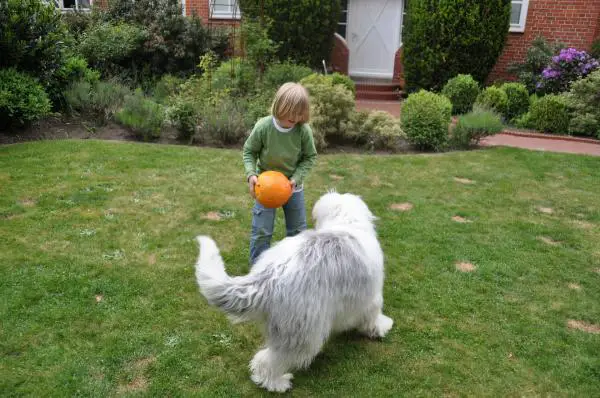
(269, 371)
(374, 324)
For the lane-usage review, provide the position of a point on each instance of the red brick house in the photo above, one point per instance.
(369, 39)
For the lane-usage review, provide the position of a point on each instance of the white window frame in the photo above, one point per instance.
(224, 15)
(520, 27)
(60, 4)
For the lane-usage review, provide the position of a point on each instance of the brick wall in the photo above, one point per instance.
(573, 22)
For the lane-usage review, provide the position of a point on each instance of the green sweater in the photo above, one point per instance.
(293, 153)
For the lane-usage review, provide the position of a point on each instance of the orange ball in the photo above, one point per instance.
(272, 189)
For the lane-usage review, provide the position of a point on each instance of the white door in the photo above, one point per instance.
(373, 36)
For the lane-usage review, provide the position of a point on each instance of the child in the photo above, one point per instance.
(284, 142)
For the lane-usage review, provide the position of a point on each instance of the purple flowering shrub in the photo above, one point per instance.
(566, 67)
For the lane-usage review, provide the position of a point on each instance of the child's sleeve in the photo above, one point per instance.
(308, 156)
(251, 150)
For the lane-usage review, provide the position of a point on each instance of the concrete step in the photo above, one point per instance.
(378, 95)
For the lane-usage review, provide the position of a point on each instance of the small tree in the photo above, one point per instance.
(444, 38)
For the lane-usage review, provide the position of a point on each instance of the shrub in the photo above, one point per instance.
(32, 37)
(517, 99)
(165, 87)
(174, 42)
(375, 130)
(222, 120)
(184, 117)
(236, 75)
(584, 103)
(283, 72)
(447, 37)
(539, 55)
(346, 81)
(566, 67)
(75, 68)
(473, 126)
(523, 121)
(331, 108)
(98, 100)
(462, 91)
(114, 48)
(493, 98)
(141, 115)
(303, 29)
(425, 118)
(22, 99)
(550, 114)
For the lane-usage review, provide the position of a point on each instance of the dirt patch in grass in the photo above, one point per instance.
(401, 206)
(545, 210)
(461, 220)
(139, 381)
(464, 180)
(336, 177)
(152, 259)
(583, 326)
(212, 216)
(574, 286)
(548, 241)
(464, 266)
(27, 202)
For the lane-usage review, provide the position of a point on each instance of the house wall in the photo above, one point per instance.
(573, 22)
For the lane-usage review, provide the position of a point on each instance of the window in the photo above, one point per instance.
(343, 23)
(81, 5)
(518, 15)
(225, 9)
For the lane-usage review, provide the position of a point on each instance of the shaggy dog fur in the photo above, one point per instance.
(304, 288)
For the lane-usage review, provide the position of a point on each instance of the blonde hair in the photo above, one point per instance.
(291, 101)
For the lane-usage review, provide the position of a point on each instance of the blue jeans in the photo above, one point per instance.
(263, 222)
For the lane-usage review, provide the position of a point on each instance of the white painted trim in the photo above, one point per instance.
(336, 34)
(237, 14)
(61, 6)
(183, 7)
(520, 27)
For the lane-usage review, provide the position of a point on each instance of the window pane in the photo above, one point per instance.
(222, 7)
(342, 30)
(69, 3)
(84, 3)
(515, 14)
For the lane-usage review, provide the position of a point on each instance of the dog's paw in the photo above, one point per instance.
(383, 325)
(280, 384)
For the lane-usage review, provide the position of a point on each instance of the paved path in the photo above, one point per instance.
(541, 142)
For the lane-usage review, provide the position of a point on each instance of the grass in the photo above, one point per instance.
(98, 297)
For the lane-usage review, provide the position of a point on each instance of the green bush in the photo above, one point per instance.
(22, 99)
(282, 72)
(425, 118)
(32, 38)
(143, 116)
(222, 121)
(374, 130)
(493, 98)
(462, 90)
(174, 42)
(517, 99)
(345, 80)
(539, 55)
(165, 87)
(550, 114)
(302, 29)
(114, 48)
(238, 76)
(184, 117)
(523, 121)
(74, 69)
(331, 108)
(100, 100)
(473, 126)
(444, 38)
(584, 102)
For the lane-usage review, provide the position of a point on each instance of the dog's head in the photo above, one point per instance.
(338, 209)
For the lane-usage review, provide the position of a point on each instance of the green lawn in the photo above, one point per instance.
(98, 296)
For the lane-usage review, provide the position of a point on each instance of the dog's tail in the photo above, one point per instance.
(236, 296)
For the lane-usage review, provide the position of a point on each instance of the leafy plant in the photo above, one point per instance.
(517, 99)
(550, 114)
(100, 100)
(22, 99)
(375, 130)
(539, 55)
(584, 104)
(143, 116)
(493, 98)
(425, 118)
(475, 125)
(462, 90)
(568, 66)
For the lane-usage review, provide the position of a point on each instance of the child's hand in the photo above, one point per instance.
(251, 184)
(293, 184)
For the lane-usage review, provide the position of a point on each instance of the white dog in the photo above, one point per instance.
(304, 288)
